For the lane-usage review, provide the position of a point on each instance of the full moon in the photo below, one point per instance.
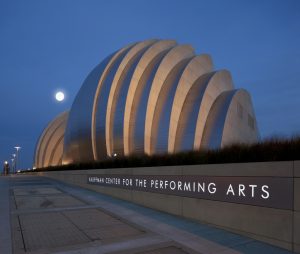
(59, 96)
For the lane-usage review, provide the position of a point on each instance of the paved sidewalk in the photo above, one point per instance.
(39, 215)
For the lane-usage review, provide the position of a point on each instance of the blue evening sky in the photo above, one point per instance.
(46, 45)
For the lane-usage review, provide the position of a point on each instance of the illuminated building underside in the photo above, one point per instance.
(149, 97)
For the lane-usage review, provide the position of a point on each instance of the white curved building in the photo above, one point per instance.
(50, 146)
(149, 97)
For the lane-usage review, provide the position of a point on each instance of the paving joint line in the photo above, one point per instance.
(22, 235)
(111, 208)
(55, 209)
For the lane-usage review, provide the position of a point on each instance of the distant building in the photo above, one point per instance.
(149, 97)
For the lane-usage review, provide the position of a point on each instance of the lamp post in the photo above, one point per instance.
(17, 156)
(5, 168)
(12, 165)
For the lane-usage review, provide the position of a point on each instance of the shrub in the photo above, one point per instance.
(274, 149)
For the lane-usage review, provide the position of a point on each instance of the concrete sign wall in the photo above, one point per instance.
(259, 200)
(276, 192)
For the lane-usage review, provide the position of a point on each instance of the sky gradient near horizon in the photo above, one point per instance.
(47, 45)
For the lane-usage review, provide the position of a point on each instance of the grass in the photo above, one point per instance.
(274, 149)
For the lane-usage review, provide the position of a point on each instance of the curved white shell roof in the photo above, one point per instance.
(49, 149)
(153, 96)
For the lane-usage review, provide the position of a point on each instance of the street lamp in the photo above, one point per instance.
(5, 168)
(17, 156)
(12, 164)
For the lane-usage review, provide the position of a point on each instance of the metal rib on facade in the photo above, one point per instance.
(49, 148)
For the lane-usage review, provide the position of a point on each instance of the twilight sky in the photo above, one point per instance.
(46, 45)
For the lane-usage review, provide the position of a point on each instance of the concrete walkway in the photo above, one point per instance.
(39, 215)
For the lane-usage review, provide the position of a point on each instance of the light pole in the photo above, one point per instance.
(5, 168)
(13, 165)
(17, 156)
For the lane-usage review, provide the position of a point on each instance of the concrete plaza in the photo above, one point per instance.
(39, 215)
